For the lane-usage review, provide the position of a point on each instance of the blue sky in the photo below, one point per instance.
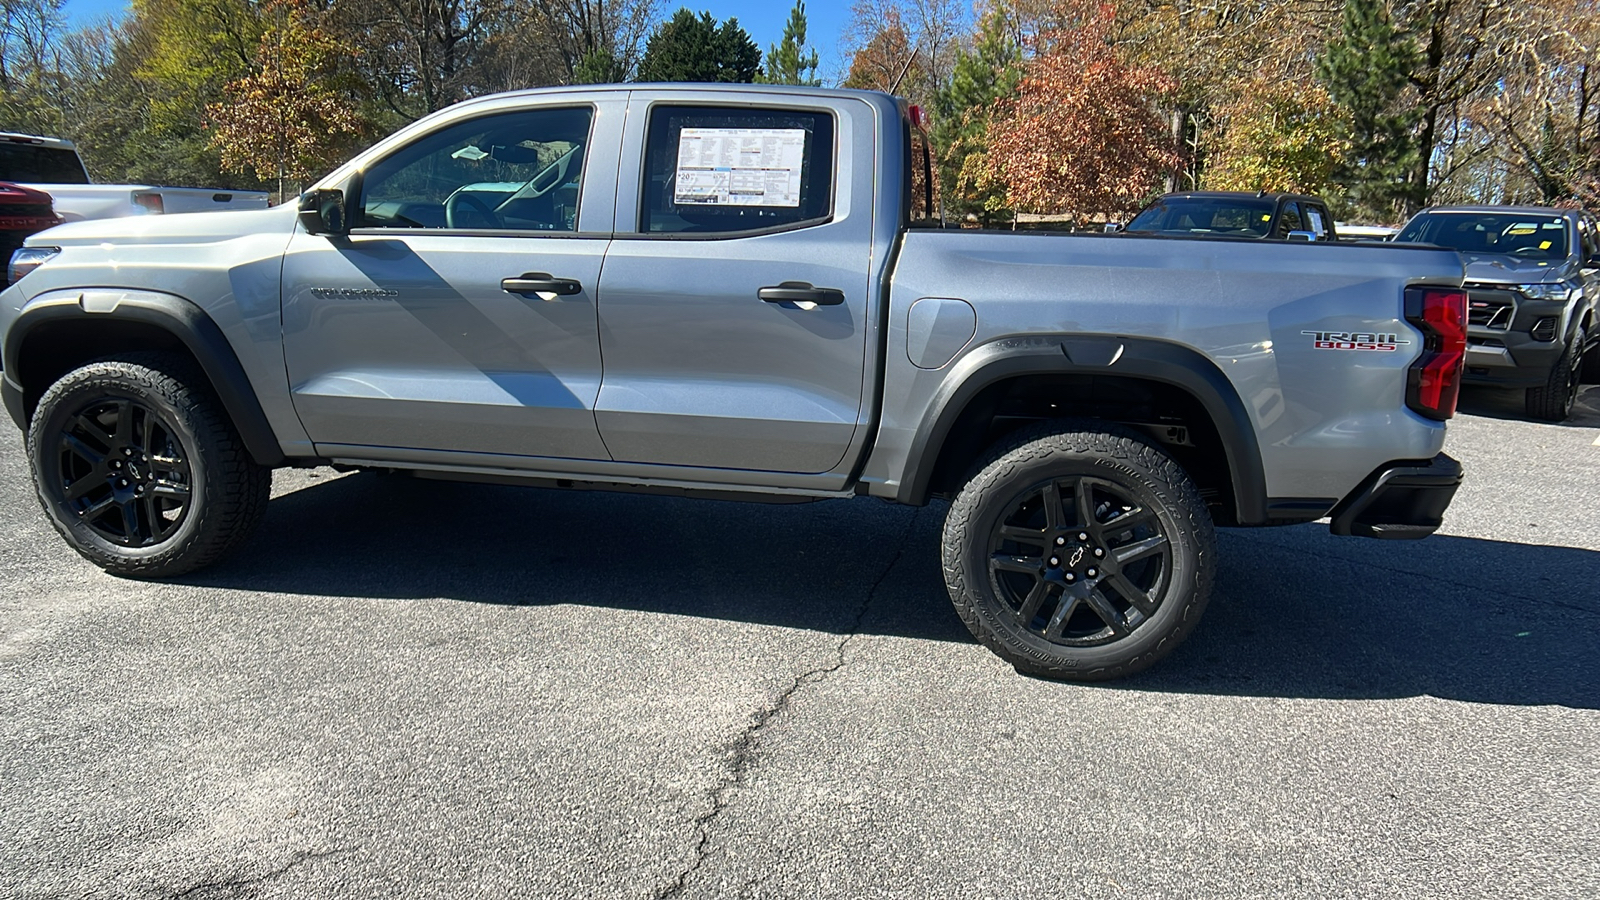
(763, 19)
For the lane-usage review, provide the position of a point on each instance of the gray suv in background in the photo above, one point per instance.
(1531, 274)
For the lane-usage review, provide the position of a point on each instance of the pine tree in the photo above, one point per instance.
(695, 48)
(789, 62)
(1366, 69)
(961, 118)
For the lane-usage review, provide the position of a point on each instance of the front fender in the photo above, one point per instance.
(25, 361)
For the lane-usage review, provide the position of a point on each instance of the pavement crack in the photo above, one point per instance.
(741, 751)
(205, 888)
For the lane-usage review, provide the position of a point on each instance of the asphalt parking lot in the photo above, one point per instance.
(417, 689)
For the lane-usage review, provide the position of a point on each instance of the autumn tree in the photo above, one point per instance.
(697, 48)
(789, 61)
(296, 115)
(1279, 137)
(1081, 135)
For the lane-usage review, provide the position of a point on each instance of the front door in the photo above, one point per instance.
(458, 316)
(733, 308)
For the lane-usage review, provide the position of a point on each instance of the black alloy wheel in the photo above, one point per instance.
(140, 470)
(1079, 550)
(121, 469)
(1080, 562)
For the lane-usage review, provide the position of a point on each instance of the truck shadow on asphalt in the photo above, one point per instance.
(1296, 612)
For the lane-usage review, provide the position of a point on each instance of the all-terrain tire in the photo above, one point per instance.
(1118, 500)
(140, 470)
(1553, 401)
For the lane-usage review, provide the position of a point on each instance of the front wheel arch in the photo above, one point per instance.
(57, 333)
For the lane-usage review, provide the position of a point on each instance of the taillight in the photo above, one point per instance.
(150, 200)
(1434, 382)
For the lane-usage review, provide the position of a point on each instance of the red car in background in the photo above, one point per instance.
(23, 211)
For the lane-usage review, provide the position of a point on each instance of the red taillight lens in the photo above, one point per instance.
(1434, 383)
(151, 202)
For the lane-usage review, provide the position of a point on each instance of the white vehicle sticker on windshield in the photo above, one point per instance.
(739, 166)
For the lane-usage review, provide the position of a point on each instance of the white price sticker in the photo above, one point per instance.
(739, 166)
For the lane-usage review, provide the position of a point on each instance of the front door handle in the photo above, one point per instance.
(541, 283)
(801, 295)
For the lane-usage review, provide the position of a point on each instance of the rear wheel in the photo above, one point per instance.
(139, 469)
(1079, 551)
(1553, 401)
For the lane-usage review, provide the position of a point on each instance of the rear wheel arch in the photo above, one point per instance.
(1127, 381)
(57, 335)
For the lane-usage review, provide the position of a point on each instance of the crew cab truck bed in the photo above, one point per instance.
(737, 305)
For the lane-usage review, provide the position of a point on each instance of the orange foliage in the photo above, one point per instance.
(1083, 135)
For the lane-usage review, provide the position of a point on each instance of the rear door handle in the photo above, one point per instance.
(801, 295)
(541, 283)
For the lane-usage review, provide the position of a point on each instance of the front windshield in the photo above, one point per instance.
(1238, 217)
(1521, 235)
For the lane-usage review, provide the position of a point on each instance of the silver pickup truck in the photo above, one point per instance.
(722, 292)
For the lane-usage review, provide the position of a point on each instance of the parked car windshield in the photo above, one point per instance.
(1513, 234)
(1240, 217)
(41, 165)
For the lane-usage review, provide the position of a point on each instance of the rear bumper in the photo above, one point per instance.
(1400, 501)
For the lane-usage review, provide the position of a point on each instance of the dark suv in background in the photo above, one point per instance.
(1532, 277)
(1236, 214)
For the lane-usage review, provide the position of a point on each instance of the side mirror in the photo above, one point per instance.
(322, 212)
(1302, 236)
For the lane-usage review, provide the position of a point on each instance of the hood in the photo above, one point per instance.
(178, 228)
(1497, 268)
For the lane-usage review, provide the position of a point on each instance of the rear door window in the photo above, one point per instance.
(720, 170)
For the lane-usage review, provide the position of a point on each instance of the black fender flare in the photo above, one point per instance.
(167, 312)
(1153, 360)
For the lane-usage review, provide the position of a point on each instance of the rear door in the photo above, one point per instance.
(733, 306)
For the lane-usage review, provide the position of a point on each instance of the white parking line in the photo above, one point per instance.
(1597, 442)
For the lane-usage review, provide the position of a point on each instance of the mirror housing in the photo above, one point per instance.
(322, 212)
(1308, 236)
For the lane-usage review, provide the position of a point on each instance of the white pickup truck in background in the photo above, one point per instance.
(53, 165)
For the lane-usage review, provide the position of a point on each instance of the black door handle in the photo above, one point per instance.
(540, 283)
(801, 294)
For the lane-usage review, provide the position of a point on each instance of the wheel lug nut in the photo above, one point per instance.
(1071, 577)
(1060, 541)
(1092, 573)
(1055, 561)
(1083, 535)
(1098, 553)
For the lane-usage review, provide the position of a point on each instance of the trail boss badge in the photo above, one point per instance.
(1355, 340)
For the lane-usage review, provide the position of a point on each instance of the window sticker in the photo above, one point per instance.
(739, 166)
(1544, 245)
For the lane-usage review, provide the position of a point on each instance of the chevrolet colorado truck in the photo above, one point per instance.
(1532, 280)
(724, 292)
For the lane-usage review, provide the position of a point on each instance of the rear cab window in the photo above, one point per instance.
(724, 170)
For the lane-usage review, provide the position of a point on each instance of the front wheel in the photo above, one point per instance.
(1079, 551)
(139, 469)
(1553, 402)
